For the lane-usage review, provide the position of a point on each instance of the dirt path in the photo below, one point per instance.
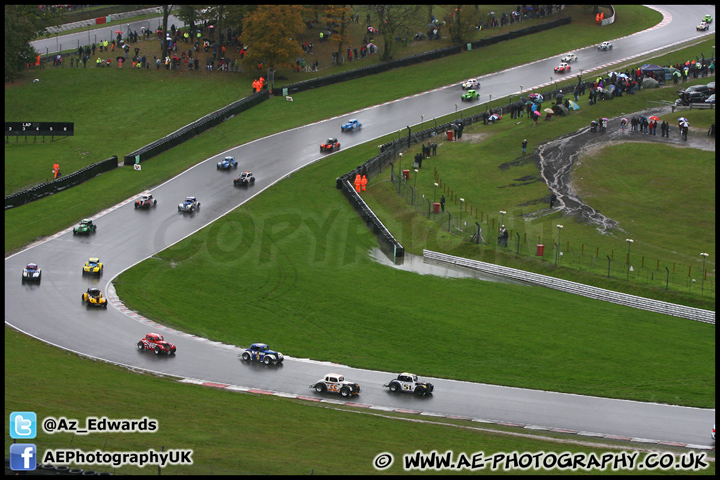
(556, 159)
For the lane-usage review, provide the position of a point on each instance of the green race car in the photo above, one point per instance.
(707, 19)
(85, 227)
(470, 95)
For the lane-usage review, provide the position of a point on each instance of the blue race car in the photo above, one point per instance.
(350, 125)
(189, 205)
(260, 352)
(227, 163)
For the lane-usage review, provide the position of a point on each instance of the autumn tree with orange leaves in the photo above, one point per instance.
(271, 34)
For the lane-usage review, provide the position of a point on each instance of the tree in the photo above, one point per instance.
(23, 24)
(339, 16)
(271, 33)
(462, 23)
(166, 13)
(396, 21)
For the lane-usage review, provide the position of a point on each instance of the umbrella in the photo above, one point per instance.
(120, 59)
(118, 31)
(603, 119)
(536, 96)
(622, 75)
(601, 90)
(549, 110)
(650, 83)
(682, 119)
(560, 109)
(573, 105)
(654, 118)
(559, 95)
(536, 113)
(494, 117)
(624, 120)
(684, 124)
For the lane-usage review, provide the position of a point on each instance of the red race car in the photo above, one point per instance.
(156, 343)
(146, 201)
(330, 145)
(562, 68)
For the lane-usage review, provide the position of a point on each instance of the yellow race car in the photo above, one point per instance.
(93, 265)
(93, 297)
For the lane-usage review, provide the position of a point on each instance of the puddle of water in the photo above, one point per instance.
(423, 266)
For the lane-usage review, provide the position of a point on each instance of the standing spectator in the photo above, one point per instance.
(442, 202)
(524, 146)
(552, 199)
(434, 145)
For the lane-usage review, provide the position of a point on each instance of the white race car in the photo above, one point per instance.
(605, 46)
(470, 84)
(569, 58)
(31, 273)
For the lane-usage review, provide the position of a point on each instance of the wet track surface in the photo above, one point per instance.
(53, 312)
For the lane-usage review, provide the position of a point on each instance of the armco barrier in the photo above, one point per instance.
(387, 242)
(60, 184)
(414, 59)
(691, 313)
(198, 126)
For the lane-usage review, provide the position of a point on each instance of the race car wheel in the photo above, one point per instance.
(136, 205)
(105, 305)
(246, 356)
(140, 346)
(345, 392)
(419, 391)
(394, 387)
(267, 360)
(157, 350)
(154, 202)
(320, 388)
(83, 297)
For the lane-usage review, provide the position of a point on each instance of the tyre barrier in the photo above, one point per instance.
(198, 126)
(60, 184)
(414, 59)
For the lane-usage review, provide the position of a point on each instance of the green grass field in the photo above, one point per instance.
(243, 434)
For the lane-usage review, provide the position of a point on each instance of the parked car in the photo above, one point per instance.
(31, 273)
(93, 297)
(470, 95)
(336, 383)
(246, 178)
(156, 343)
(408, 382)
(562, 68)
(93, 266)
(259, 352)
(710, 99)
(330, 145)
(605, 46)
(227, 163)
(569, 58)
(85, 227)
(471, 84)
(350, 125)
(189, 205)
(711, 87)
(703, 27)
(146, 201)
